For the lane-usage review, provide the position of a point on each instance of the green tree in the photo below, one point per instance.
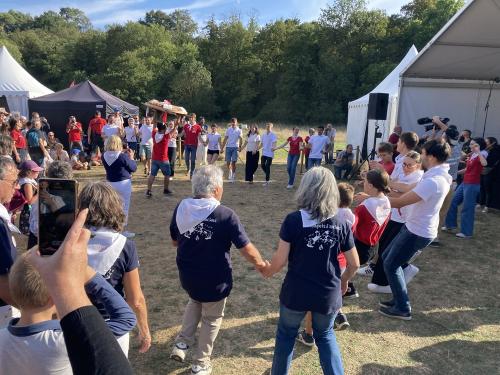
(76, 17)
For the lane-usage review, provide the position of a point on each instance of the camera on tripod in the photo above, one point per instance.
(428, 120)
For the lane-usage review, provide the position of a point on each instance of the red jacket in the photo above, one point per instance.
(372, 217)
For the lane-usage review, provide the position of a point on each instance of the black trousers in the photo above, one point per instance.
(365, 252)
(172, 154)
(391, 231)
(251, 165)
(265, 163)
(487, 190)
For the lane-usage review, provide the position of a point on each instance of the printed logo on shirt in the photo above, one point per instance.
(322, 240)
(203, 231)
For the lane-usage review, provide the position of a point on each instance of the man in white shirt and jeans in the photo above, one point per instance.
(233, 141)
(421, 225)
(146, 146)
(318, 144)
(268, 145)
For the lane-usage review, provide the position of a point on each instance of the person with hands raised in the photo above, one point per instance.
(310, 240)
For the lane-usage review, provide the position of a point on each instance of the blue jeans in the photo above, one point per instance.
(288, 327)
(291, 167)
(340, 169)
(466, 194)
(401, 250)
(157, 165)
(313, 163)
(190, 156)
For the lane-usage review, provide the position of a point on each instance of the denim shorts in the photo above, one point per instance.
(157, 165)
(145, 151)
(231, 154)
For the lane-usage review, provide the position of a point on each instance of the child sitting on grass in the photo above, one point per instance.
(34, 343)
(344, 214)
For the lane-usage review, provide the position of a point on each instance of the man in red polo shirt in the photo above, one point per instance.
(74, 130)
(159, 159)
(94, 132)
(191, 131)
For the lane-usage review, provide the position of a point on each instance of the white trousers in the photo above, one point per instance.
(124, 189)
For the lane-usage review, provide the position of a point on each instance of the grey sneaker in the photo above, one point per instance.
(201, 369)
(179, 352)
(305, 338)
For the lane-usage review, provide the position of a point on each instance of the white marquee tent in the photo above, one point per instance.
(452, 76)
(358, 109)
(17, 84)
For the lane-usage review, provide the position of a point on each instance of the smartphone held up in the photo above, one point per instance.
(56, 212)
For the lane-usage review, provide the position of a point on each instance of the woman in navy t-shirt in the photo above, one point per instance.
(310, 241)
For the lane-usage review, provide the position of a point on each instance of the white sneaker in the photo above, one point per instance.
(265, 183)
(485, 210)
(170, 178)
(201, 370)
(374, 288)
(366, 270)
(461, 235)
(410, 272)
(128, 234)
(289, 186)
(179, 352)
(446, 229)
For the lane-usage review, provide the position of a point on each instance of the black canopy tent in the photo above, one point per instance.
(81, 101)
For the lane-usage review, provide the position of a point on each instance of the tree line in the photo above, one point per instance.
(287, 70)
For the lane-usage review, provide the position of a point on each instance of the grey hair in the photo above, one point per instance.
(5, 145)
(205, 180)
(6, 164)
(318, 193)
(60, 169)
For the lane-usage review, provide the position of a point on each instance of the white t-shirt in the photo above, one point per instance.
(253, 142)
(318, 143)
(130, 134)
(203, 139)
(110, 129)
(397, 172)
(267, 144)
(172, 142)
(399, 214)
(423, 216)
(43, 352)
(146, 132)
(213, 141)
(345, 215)
(233, 137)
(331, 133)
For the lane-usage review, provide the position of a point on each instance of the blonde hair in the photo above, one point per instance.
(113, 143)
(104, 204)
(26, 285)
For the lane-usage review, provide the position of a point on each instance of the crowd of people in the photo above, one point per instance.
(92, 283)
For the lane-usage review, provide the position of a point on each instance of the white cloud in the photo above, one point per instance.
(309, 10)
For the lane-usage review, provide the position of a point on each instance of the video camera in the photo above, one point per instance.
(428, 120)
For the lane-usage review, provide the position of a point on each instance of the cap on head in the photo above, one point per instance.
(30, 165)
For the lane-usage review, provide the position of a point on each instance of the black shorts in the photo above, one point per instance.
(213, 152)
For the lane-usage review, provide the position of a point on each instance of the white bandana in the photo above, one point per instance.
(111, 156)
(192, 212)
(104, 247)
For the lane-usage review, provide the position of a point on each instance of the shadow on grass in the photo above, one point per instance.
(424, 324)
(448, 357)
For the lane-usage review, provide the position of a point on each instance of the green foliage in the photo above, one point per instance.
(285, 70)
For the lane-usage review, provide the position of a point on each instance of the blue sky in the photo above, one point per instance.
(104, 12)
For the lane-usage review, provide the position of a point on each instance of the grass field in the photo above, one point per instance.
(456, 295)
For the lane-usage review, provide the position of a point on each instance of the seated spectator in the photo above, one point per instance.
(34, 343)
(344, 163)
(59, 153)
(76, 162)
(385, 153)
(113, 255)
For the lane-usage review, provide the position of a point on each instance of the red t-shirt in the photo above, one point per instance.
(366, 228)
(191, 134)
(18, 139)
(307, 150)
(473, 171)
(75, 134)
(160, 149)
(389, 166)
(294, 145)
(96, 124)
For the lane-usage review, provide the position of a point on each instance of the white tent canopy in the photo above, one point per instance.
(17, 84)
(358, 109)
(452, 76)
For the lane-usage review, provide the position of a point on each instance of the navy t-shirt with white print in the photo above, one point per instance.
(203, 254)
(312, 282)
